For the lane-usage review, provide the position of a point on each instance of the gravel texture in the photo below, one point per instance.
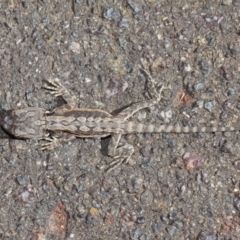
(177, 186)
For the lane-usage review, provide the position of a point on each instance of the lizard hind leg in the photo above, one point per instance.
(153, 86)
(156, 97)
(119, 154)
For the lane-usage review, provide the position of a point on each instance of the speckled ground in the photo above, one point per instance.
(177, 186)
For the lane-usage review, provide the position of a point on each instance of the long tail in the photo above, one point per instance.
(130, 127)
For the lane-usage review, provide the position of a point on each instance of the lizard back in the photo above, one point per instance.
(89, 123)
(86, 123)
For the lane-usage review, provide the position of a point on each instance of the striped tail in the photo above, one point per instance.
(130, 127)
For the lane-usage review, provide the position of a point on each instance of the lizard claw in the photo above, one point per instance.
(54, 81)
(50, 144)
(162, 88)
(55, 87)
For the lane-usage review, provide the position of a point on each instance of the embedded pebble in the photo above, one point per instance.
(198, 86)
(231, 92)
(112, 14)
(236, 202)
(178, 224)
(192, 160)
(204, 67)
(199, 104)
(237, 164)
(21, 179)
(75, 47)
(157, 227)
(147, 197)
(206, 236)
(134, 6)
(124, 23)
(209, 106)
(227, 2)
(171, 231)
(25, 4)
(141, 220)
(236, 3)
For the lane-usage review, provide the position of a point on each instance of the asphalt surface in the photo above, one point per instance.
(176, 186)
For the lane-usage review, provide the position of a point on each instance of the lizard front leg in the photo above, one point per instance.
(56, 140)
(119, 154)
(58, 90)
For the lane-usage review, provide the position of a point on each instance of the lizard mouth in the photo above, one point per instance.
(6, 119)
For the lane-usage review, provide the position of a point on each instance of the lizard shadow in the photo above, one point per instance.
(105, 141)
(4, 134)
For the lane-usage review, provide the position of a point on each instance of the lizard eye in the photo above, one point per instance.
(8, 121)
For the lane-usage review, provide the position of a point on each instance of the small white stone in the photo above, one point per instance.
(88, 80)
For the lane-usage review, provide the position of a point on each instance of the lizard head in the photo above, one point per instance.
(23, 123)
(9, 123)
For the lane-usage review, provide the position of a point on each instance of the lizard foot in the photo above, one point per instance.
(55, 87)
(50, 144)
(58, 90)
(122, 154)
(153, 88)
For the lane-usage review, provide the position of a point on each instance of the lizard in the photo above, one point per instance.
(68, 122)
